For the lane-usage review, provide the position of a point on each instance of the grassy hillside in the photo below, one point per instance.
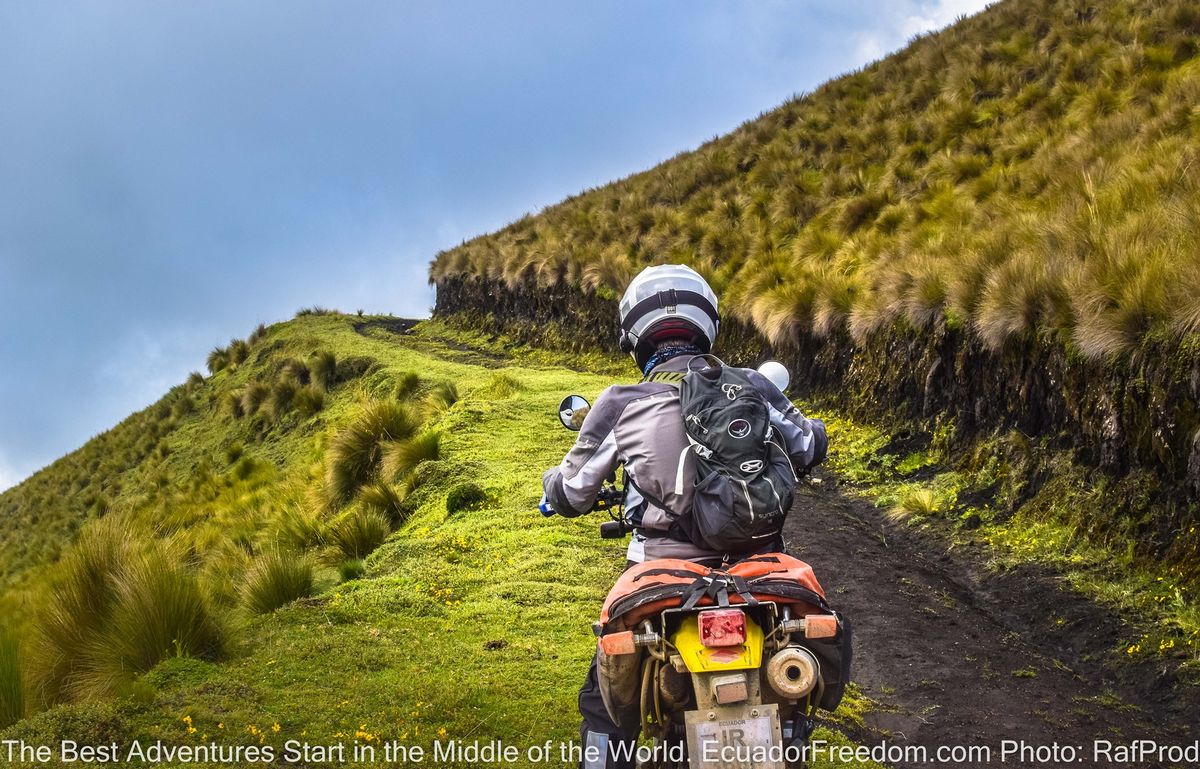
(1028, 172)
(464, 614)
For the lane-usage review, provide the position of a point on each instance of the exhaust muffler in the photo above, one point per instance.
(792, 672)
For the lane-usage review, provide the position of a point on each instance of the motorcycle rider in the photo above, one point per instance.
(668, 315)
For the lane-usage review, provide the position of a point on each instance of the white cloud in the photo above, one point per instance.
(909, 20)
(929, 16)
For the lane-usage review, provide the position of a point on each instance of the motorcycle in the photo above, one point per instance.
(720, 667)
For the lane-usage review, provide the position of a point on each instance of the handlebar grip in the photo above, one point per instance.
(545, 508)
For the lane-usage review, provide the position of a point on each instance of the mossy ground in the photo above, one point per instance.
(472, 625)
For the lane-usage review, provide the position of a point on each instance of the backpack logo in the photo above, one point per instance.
(752, 466)
(731, 390)
(739, 428)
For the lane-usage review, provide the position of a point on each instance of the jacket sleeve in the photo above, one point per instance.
(571, 487)
(804, 439)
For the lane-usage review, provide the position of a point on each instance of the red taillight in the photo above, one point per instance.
(723, 627)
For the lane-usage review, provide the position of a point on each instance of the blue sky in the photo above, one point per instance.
(172, 174)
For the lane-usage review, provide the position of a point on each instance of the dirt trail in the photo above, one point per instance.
(956, 655)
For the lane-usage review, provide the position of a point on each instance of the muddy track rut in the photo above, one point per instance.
(956, 654)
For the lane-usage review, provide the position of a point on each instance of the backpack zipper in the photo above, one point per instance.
(749, 501)
(778, 501)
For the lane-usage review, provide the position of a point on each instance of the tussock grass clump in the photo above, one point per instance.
(296, 371)
(299, 527)
(920, 502)
(441, 397)
(276, 579)
(222, 577)
(323, 369)
(12, 685)
(356, 452)
(309, 400)
(258, 334)
(159, 612)
(182, 407)
(115, 609)
(352, 569)
(232, 403)
(359, 532)
(282, 395)
(238, 351)
(315, 310)
(253, 396)
(408, 385)
(245, 467)
(386, 499)
(75, 612)
(218, 360)
(402, 457)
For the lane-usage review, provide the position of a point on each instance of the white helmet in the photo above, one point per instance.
(666, 302)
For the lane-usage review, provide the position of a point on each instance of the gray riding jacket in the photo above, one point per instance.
(640, 426)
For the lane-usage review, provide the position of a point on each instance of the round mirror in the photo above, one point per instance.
(572, 410)
(777, 373)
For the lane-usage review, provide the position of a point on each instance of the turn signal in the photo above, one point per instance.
(820, 626)
(723, 627)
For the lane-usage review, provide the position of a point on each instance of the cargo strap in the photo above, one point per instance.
(664, 572)
(715, 586)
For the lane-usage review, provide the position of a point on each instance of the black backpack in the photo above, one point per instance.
(744, 479)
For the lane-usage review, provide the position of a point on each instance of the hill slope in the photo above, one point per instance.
(466, 617)
(464, 585)
(1030, 170)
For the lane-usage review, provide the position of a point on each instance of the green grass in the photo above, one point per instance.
(277, 578)
(359, 532)
(443, 396)
(12, 684)
(408, 385)
(384, 498)
(402, 457)
(119, 605)
(308, 400)
(357, 451)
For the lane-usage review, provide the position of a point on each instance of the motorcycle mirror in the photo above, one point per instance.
(777, 373)
(572, 411)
